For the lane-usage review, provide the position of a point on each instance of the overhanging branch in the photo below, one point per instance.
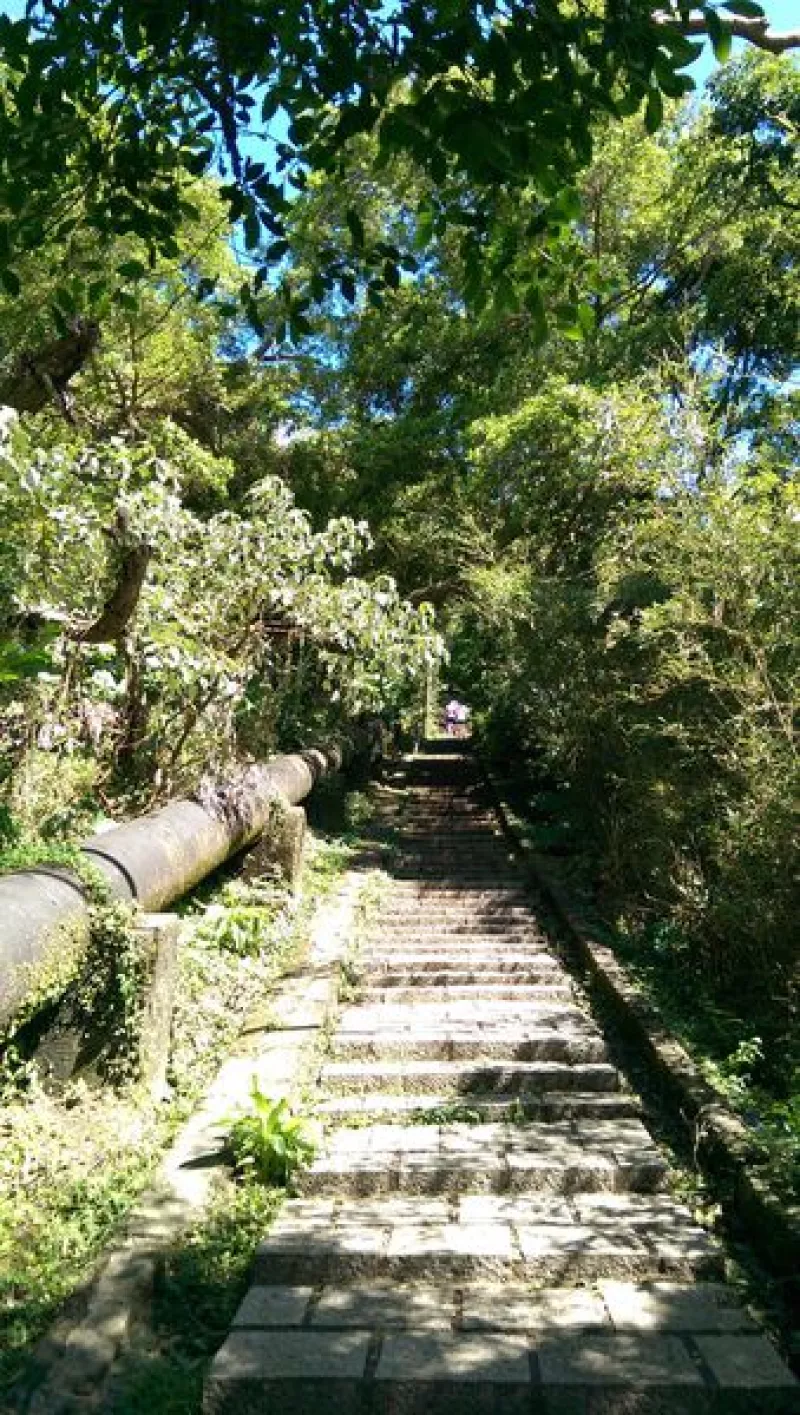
(754, 31)
(121, 603)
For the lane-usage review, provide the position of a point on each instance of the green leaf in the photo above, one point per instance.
(300, 326)
(586, 319)
(132, 269)
(426, 217)
(672, 84)
(506, 298)
(10, 281)
(252, 230)
(720, 36)
(18, 661)
(747, 8)
(238, 202)
(277, 250)
(534, 304)
(684, 51)
(64, 298)
(654, 111)
(356, 228)
(568, 205)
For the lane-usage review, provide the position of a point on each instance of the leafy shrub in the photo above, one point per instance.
(247, 917)
(645, 653)
(270, 1141)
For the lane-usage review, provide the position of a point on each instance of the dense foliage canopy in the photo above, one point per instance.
(117, 105)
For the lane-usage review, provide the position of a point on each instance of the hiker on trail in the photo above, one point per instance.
(451, 716)
(456, 717)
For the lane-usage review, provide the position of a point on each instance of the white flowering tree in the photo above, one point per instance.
(143, 641)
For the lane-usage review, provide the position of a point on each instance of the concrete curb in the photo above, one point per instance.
(78, 1356)
(723, 1145)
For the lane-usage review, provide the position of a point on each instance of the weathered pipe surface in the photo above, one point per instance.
(152, 860)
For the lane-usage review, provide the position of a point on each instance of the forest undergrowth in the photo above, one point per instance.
(75, 1159)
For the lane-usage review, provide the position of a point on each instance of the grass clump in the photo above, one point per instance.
(198, 1289)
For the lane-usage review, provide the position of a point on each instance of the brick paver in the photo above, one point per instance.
(488, 1227)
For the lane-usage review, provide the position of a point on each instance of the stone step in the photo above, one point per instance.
(465, 879)
(556, 1158)
(561, 1014)
(502, 1042)
(461, 925)
(490, 1347)
(442, 970)
(434, 1371)
(702, 1307)
(477, 961)
(475, 992)
(464, 946)
(537, 1239)
(472, 860)
(438, 1106)
(460, 902)
(465, 855)
(496, 945)
(435, 892)
(448, 831)
(453, 909)
(467, 1079)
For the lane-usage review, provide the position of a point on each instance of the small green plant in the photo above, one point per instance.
(449, 1113)
(519, 1113)
(245, 917)
(270, 1141)
(351, 980)
(358, 811)
(239, 931)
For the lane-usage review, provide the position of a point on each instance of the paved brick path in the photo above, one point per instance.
(488, 1228)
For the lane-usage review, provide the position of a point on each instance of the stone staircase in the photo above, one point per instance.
(489, 1227)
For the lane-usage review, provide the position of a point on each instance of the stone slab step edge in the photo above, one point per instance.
(300, 1371)
(553, 1106)
(466, 992)
(608, 1306)
(463, 1079)
(523, 1044)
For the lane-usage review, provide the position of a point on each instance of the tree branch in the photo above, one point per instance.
(41, 375)
(121, 603)
(118, 609)
(755, 31)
